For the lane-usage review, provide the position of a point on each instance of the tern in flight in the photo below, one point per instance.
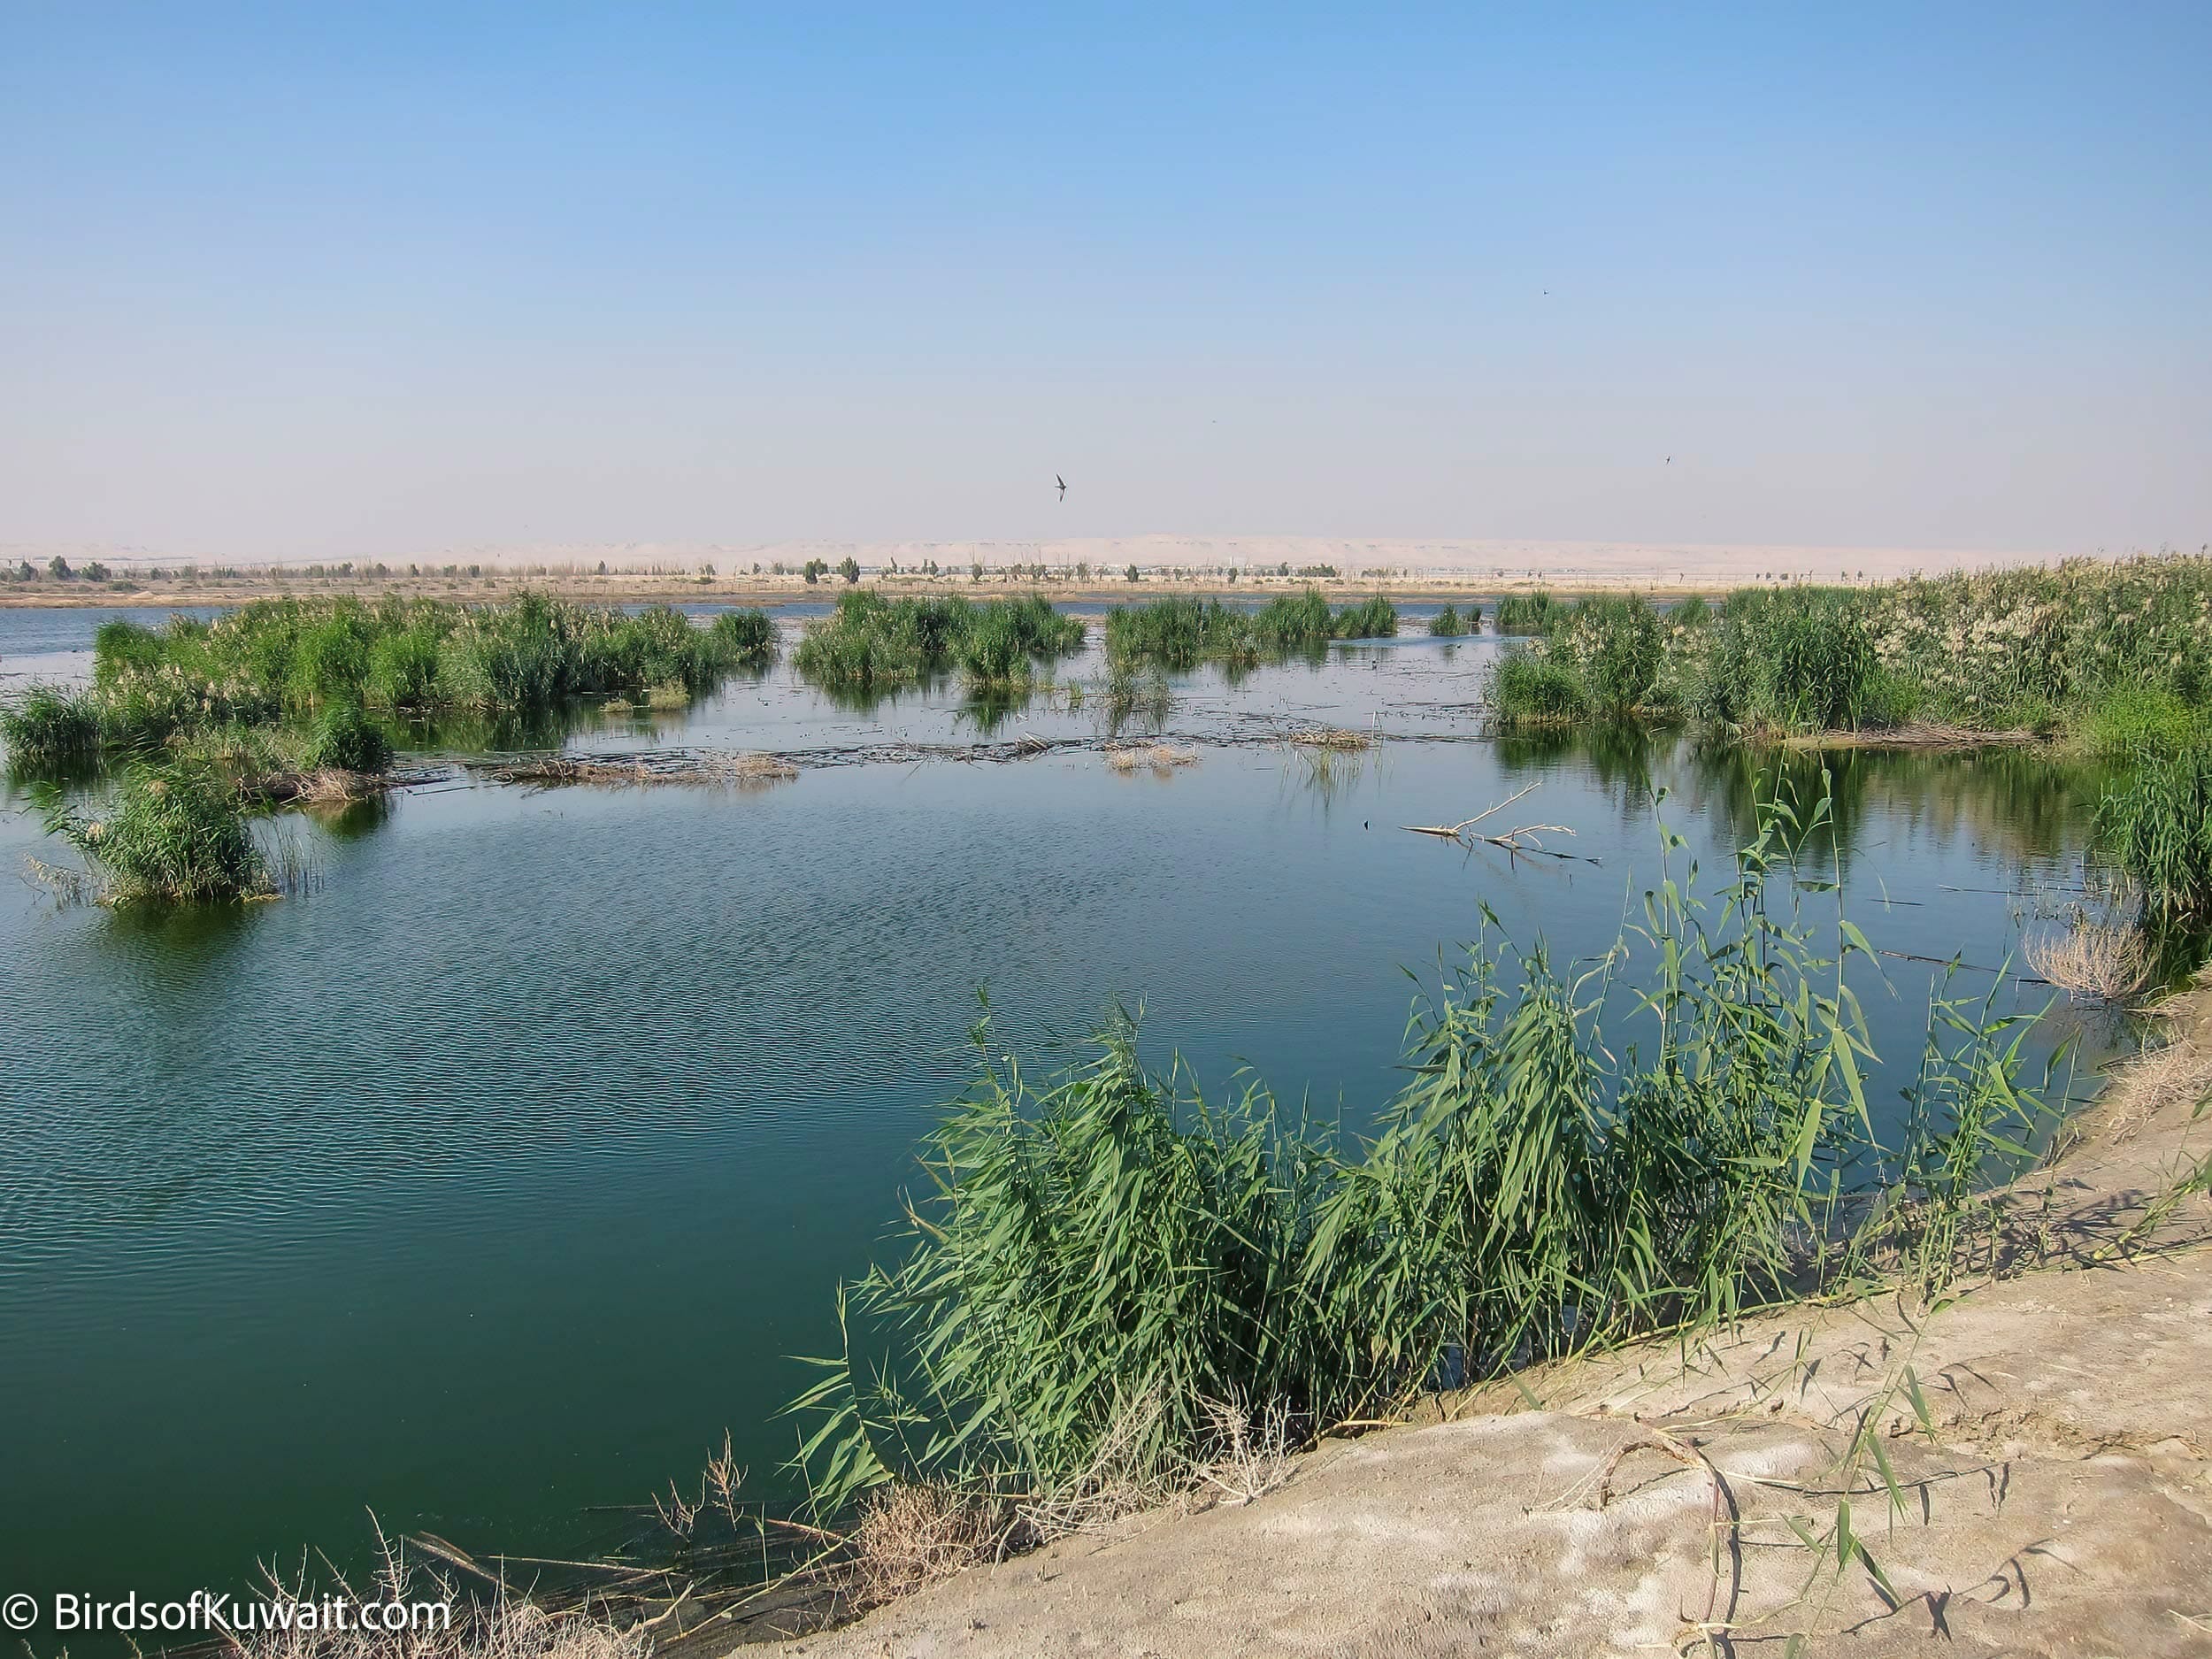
(1062, 483)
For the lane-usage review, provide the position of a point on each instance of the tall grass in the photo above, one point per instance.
(1658, 1139)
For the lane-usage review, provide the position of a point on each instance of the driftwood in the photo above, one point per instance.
(1520, 840)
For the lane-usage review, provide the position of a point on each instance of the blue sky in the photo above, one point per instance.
(375, 279)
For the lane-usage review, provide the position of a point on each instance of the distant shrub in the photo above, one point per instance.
(1448, 624)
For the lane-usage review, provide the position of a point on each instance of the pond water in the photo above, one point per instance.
(485, 1184)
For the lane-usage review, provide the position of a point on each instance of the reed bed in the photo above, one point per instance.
(874, 643)
(2156, 827)
(2117, 654)
(1181, 633)
(300, 662)
(1656, 1141)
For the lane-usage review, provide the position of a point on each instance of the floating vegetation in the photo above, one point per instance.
(697, 768)
(1103, 1252)
(1340, 739)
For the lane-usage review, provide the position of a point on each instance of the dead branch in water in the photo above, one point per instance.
(1522, 838)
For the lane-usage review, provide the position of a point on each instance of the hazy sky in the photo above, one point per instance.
(323, 279)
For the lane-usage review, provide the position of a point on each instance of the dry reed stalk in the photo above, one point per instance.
(1252, 1459)
(914, 1534)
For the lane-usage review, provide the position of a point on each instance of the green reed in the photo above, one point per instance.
(872, 643)
(1450, 624)
(2156, 826)
(176, 833)
(1655, 1140)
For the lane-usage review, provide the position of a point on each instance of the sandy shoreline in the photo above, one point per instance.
(1088, 571)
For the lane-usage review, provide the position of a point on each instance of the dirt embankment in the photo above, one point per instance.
(2027, 1467)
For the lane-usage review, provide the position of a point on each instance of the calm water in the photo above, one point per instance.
(486, 1184)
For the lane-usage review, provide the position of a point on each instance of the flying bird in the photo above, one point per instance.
(1062, 483)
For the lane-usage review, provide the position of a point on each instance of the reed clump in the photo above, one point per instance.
(2118, 654)
(177, 833)
(1451, 624)
(1534, 612)
(872, 643)
(1530, 688)
(1573, 1162)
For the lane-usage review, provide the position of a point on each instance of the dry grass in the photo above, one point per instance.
(326, 786)
(2175, 1074)
(1251, 1459)
(914, 1534)
(1159, 756)
(2091, 961)
(504, 1625)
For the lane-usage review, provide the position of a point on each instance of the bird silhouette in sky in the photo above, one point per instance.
(1062, 483)
(1669, 460)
